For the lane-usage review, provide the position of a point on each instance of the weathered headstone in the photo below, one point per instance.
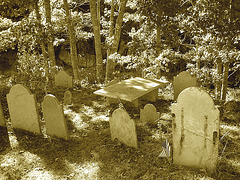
(23, 109)
(2, 119)
(183, 81)
(123, 128)
(195, 129)
(62, 79)
(54, 117)
(67, 97)
(149, 114)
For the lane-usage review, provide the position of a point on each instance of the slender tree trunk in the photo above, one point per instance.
(51, 51)
(159, 43)
(118, 26)
(111, 28)
(40, 32)
(97, 38)
(218, 82)
(116, 39)
(112, 19)
(98, 10)
(72, 39)
(225, 81)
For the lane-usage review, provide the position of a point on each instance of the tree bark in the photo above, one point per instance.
(72, 39)
(116, 39)
(218, 82)
(51, 51)
(97, 38)
(111, 28)
(225, 81)
(159, 43)
(40, 32)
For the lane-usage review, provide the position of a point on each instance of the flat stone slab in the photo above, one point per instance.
(123, 128)
(195, 129)
(54, 117)
(182, 81)
(149, 114)
(131, 89)
(62, 79)
(23, 109)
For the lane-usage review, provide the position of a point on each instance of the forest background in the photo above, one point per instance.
(150, 38)
(97, 41)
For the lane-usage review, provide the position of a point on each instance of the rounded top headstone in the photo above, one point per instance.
(197, 96)
(19, 89)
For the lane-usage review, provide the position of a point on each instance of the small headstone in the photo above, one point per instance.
(123, 128)
(62, 79)
(183, 81)
(67, 97)
(23, 109)
(149, 114)
(2, 119)
(54, 117)
(195, 130)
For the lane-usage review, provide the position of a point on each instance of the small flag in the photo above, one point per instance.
(166, 149)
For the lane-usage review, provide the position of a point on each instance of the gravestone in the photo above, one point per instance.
(23, 109)
(62, 79)
(149, 114)
(67, 97)
(183, 81)
(123, 128)
(195, 129)
(54, 117)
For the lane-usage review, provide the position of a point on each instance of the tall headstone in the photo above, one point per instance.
(23, 109)
(195, 129)
(123, 128)
(62, 79)
(54, 117)
(149, 114)
(67, 97)
(183, 81)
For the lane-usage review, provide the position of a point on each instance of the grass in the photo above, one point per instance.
(91, 154)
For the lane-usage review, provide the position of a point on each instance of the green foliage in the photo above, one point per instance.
(16, 9)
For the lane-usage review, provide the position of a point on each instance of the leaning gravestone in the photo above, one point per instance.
(149, 114)
(62, 79)
(183, 81)
(123, 128)
(67, 97)
(195, 129)
(23, 109)
(54, 117)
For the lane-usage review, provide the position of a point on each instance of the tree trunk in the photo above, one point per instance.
(40, 32)
(111, 28)
(118, 26)
(218, 81)
(159, 43)
(225, 82)
(72, 39)
(116, 39)
(97, 38)
(51, 51)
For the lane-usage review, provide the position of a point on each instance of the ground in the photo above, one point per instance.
(91, 154)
